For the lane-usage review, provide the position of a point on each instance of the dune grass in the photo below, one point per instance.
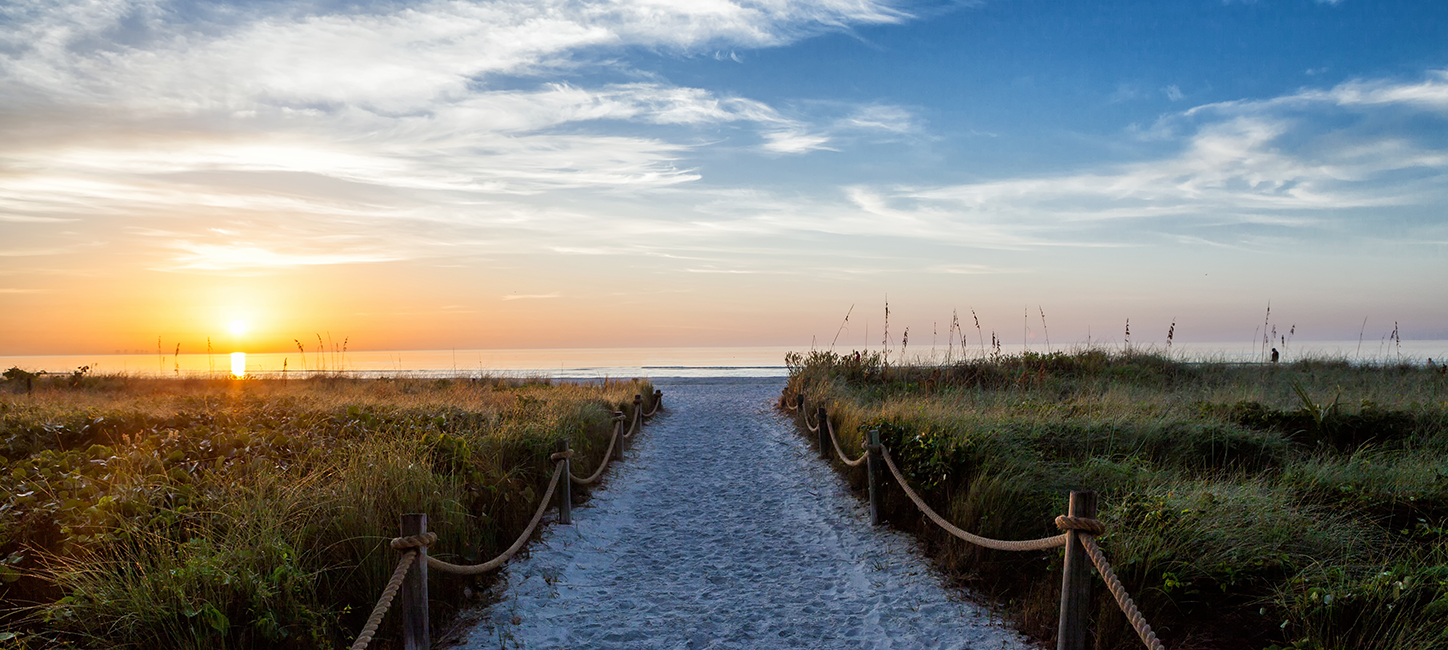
(1296, 505)
(255, 513)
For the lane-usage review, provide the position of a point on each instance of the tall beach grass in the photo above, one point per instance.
(1294, 505)
(255, 513)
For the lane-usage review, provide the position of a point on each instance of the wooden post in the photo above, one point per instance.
(1076, 580)
(872, 468)
(565, 487)
(658, 399)
(415, 635)
(824, 420)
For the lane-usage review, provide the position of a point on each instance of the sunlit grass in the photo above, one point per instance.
(1233, 492)
(244, 513)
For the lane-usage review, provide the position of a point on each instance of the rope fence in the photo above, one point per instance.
(479, 569)
(1080, 530)
(835, 441)
(658, 403)
(1079, 527)
(415, 538)
(607, 455)
(996, 544)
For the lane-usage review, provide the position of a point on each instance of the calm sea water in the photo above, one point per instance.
(594, 363)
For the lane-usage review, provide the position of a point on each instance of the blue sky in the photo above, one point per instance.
(563, 174)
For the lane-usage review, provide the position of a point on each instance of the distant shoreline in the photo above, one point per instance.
(598, 363)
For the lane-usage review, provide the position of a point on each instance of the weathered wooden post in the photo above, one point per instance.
(872, 469)
(1076, 580)
(824, 433)
(658, 399)
(415, 635)
(565, 485)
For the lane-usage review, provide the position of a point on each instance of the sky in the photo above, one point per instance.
(565, 173)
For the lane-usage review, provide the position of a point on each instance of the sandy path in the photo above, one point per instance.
(724, 530)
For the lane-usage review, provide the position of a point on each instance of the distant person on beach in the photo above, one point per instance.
(1274, 355)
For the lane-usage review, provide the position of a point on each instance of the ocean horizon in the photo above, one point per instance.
(599, 363)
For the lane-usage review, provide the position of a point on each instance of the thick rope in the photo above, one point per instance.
(840, 452)
(658, 404)
(476, 569)
(804, 415)
(1083, 524)
(997, 544)
(414, 541)
(410, 542)
(633, 427)
(1123, 599)
(385, 600)
(607, 456)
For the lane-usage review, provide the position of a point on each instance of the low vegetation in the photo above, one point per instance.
(1250, 506)
(195, 513)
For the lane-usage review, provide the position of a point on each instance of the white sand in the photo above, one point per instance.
(723, 529)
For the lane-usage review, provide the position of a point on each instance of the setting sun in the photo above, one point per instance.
(238, 364)
(238, 327)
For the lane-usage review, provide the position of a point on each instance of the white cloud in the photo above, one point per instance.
(388, 123)
(34, 252)
(370, 118)
(16, 218)
(212, 257)
(1429, 94)
(794, 141)
(1295, 163)
(879, 117)
(389, 58)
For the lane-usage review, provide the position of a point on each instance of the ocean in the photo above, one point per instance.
(597, 363)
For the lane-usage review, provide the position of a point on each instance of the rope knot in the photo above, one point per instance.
(414, 541)
(618, 415)
(1081, 524)
(560, 455)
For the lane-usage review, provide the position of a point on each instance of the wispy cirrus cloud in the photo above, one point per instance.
(794, 140)
(1308, 159)
(214, 257)
(36, 252)
(878, 117)
(441, 130)
(1430, 93)
(390, 58)
(1240, 174)
(372, 116)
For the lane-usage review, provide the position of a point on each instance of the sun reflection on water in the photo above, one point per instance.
(238, 364)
